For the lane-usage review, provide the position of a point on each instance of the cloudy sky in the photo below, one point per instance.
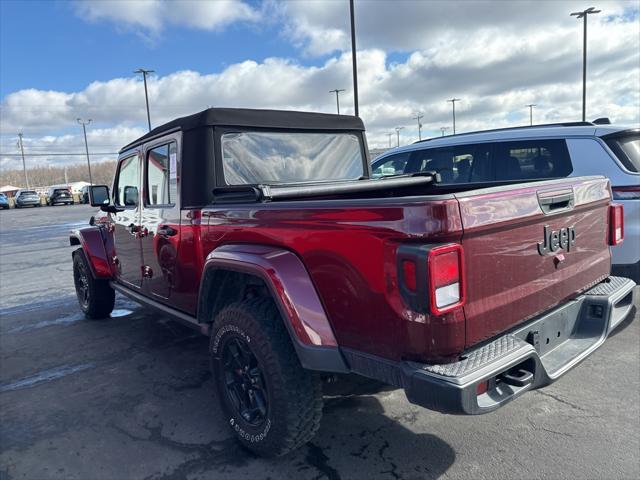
(60, 60)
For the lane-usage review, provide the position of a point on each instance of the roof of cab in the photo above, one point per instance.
(245, 117)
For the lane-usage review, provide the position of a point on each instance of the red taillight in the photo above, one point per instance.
(616, 224)
(446, 279)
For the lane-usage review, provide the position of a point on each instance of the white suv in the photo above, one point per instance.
(531, 153)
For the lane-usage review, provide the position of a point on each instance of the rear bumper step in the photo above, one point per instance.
(530, 357)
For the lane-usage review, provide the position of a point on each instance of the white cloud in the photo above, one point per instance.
(153, 15)
(497, 57)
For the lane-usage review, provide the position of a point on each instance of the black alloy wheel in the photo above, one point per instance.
(244, 381)
(81, 280)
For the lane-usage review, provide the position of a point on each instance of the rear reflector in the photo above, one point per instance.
(616, 224)
(626, 193)
(409, 273)
(482, 387)
(446, 279)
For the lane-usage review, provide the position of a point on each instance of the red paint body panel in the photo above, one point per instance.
(348, 248)
(509, 281)
(289, 282)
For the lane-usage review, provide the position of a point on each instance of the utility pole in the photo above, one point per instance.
(583, 14)
(86, 145)
(337, 92)
(531, 105)
(398, 134)
(418, 117)
(24, 165)
(353, 58)
(442, 130)
(146, 95)
(390, 135)
(453, 104)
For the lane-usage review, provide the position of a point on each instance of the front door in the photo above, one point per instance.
(126, 195)
(160, 217)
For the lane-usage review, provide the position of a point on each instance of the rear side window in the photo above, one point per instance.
(161, 175)
(531, 159)
(627, 149)
(458, 164)
(392, 165)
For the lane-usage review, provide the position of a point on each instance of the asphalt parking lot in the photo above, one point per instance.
(131, 397)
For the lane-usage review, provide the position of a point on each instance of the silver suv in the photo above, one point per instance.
(532, 153)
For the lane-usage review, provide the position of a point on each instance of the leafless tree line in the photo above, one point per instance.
(43, 176)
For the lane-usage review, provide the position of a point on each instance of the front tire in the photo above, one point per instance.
(96, 297)
(271, 403)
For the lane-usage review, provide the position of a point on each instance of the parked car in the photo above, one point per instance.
(27, 198)
(84, 194)
(279, 245)
(58, 195)
(533, 153)
(4, 201)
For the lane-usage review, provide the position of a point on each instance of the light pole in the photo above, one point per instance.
(84, 124)
(442, 130)
(146, 95)
(24, 165)
(531, 105)
(390, 135)
(583, 14)
(337, 92)
(418, 117)
(398, 134)
(353, 57)
(453, 105)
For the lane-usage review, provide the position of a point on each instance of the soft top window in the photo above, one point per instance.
(290, 157)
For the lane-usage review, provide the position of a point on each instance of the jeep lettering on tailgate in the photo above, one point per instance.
(563, 239)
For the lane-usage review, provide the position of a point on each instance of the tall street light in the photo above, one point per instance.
(390, 135)
(146, 95)
(84, 124)
(24, 165)
(398, 134)
(442, 130)
(531, 105)
(583, 14)
(337, 92)
(418, 117)
(453, 105)
(353, 57)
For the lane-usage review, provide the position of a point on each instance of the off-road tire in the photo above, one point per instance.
(100, 297)
(294, 407)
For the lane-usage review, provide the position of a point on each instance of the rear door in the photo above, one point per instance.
(160, 216)
(529, 247)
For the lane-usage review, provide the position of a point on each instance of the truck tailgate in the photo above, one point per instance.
(512, 271)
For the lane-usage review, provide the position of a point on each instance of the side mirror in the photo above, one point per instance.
(99, 195)
(130, 196)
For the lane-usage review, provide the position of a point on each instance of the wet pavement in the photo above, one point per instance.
(131, 397)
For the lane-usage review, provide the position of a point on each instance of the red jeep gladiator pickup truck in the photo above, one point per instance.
(265, 231)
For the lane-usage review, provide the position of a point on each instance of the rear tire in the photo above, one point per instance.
(282, 404)
(96, 297)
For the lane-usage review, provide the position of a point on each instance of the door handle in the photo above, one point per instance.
(133, 229)
(167, 231)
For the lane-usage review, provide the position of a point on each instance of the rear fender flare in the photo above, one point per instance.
(295, 296)
(93, 245)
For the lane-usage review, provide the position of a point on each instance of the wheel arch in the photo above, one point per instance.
(233, 270)
(91, 241)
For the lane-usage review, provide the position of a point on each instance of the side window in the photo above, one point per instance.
(392, 165)
(161, 175)
(126, 191)
(460, 164)
(531, 159)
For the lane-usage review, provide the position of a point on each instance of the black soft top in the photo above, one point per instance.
(246, 117)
